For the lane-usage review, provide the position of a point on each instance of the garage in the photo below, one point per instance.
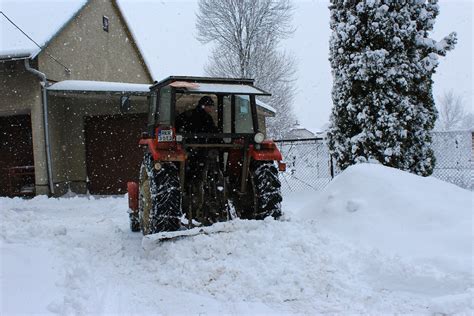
(16, 156)
(113, 156)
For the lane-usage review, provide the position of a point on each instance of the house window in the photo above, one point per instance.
(105, 23)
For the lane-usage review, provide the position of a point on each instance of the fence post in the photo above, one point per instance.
(331, 168)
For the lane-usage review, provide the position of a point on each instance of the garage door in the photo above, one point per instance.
(16, 155)
(112, 154)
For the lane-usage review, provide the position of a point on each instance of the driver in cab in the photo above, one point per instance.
(197, 120)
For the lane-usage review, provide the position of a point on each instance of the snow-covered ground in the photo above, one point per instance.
(376, 240)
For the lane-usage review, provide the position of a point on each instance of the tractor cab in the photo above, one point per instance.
(199, 176)
(234, 114)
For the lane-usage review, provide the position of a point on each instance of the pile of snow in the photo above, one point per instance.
(423, 221)
(340, 255)
(385, 208)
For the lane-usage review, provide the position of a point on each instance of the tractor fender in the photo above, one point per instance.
(132, 189)
(268, 151)
(171, 151)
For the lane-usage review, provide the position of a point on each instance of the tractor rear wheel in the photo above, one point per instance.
(159, 201)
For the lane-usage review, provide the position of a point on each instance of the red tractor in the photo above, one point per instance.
(197, 178)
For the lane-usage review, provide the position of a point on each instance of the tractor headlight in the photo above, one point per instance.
(259, 137)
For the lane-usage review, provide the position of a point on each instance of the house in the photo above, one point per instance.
(87, 142)
(73, 106)
(299, 132)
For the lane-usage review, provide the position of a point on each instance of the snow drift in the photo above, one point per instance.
(400, 213)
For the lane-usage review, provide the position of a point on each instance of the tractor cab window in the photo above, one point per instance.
(186, 103)
(151, 112)
(243, 114)
(164, 106)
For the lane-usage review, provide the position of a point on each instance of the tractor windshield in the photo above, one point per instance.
(220, 112)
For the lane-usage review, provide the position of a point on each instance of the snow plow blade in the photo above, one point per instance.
(149, 241)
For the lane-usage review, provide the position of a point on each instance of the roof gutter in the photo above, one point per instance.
(13, 58)
(44, 91)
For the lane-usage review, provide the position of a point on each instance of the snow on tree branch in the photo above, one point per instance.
(382, 61)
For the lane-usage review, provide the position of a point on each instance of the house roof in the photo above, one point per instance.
(34, 19)
(266, 107)
(85, 86)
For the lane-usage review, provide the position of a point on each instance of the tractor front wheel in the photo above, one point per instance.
(134, 222)
(159, 201)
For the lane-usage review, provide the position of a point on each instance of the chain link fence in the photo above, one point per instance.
(309, 166)
(454, 157)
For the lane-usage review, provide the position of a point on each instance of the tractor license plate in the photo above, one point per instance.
(165, 135)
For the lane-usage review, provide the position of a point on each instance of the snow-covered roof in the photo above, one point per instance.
(99, 86)
(34, 18)
(301, 132)
(266, 106)
(15, 54)
(225, 88)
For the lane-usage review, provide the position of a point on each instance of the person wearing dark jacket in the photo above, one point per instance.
(197, 120)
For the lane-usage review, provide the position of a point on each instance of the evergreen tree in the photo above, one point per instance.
(382, 62)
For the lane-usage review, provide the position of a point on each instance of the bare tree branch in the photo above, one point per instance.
(451, 111)
(246, 34)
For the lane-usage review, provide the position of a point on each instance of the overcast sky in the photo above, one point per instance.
(165, 30)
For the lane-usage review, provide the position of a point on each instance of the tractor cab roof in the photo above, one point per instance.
(211, 85)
